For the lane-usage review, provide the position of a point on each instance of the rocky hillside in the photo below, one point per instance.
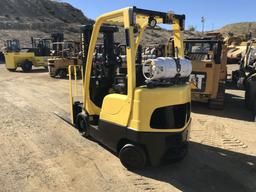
(21, 19)
(240, 29)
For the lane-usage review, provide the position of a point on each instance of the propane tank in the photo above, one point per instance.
(166, 68)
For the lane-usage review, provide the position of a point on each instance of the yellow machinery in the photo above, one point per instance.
(245, 77)
(209, 64)
(141, 111)
(65, 54)
(209, 61)
(58, 66)
(27, 57)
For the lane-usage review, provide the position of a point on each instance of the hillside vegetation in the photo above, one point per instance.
(240, 29)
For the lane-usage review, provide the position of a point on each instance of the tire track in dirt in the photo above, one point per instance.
(215, 133)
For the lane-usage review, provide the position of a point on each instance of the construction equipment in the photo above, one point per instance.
(209, 61)
(245, 77)
(235, 48)
(143, 120)
(27, 57)
(64, 54)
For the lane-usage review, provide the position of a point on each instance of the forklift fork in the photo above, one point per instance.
(73, 92)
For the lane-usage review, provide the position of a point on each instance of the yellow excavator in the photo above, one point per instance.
(139, 110)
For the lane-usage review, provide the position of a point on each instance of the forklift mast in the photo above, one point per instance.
(56, 38)
(105, 61)
(41, 47)
(108, 42)
(248, 62)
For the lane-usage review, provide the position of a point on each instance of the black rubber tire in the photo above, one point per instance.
(82, 125)
(133, 157)
(26, 66)
(219, 102)
(250, 93)
(62, 73)
(179, 154)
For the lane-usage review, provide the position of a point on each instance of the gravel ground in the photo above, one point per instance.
(41, 152)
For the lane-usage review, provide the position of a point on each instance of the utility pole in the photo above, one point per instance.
(203, 23)
(213, 27)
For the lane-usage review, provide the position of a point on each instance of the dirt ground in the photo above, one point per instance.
(41, 152)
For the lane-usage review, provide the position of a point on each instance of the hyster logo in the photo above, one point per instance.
(198, 81)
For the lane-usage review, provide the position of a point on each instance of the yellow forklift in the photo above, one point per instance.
(140, 111)
(64, 54)
(27, 57)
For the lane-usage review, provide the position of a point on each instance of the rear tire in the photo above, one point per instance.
(133, 156)
(219, 101)
(26, 66)
(180, 153)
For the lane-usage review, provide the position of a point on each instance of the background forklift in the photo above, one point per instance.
(64, 54)
(27, 57)
(245, 77)
(209, 61)
(141, 111)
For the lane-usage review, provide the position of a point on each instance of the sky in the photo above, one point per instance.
(217, 13)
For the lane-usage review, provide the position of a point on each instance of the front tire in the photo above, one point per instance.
(133, 156)
(82, 124)
(26, 66)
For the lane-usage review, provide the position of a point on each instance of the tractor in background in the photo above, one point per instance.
(245, 76)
